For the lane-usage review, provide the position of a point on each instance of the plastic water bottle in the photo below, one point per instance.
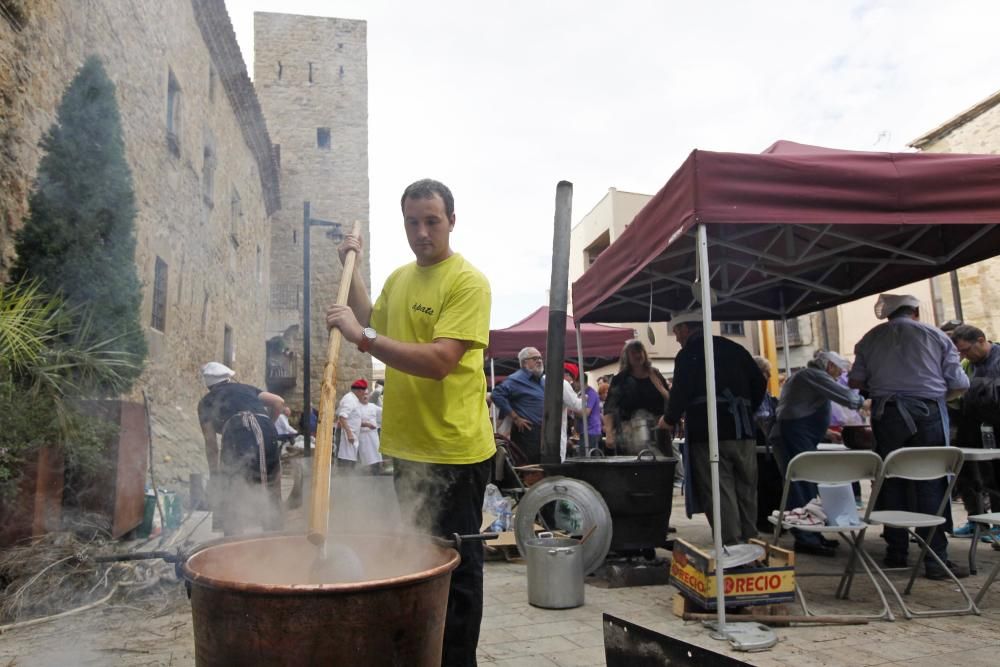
(988, 436)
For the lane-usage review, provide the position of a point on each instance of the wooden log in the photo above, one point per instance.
(770, 620)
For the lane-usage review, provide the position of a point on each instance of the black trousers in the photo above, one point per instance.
(891, 433)
(529, 441)
(448, 499)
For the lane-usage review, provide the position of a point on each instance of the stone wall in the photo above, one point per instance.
(975, 131)
(311, 73)
(216, 250)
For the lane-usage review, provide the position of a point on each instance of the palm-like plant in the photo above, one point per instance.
(51, 357)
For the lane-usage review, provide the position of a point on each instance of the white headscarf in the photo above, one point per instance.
(887, 304)
(830, 357)
(213, 373)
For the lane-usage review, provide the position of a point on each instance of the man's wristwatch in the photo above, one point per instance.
(368, 337)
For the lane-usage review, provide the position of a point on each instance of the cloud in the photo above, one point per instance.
(501, 101)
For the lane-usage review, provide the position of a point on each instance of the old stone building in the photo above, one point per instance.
(311, 76)
(205, 182)
(975, 130)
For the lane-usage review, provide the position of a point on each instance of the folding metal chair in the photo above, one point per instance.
(921, 464)
(988, 520)
(835, 468)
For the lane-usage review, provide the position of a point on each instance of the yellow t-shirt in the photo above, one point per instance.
(428, 420)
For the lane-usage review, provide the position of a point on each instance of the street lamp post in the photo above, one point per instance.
(334, 232)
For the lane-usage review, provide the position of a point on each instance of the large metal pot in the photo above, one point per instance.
(252, 604)
(638, 491)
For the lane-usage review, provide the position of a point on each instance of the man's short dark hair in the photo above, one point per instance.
(968, 333)
(426, 188)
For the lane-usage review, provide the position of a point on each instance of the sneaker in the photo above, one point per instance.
(891, 561)
(815, 549)
(990, 536)
(964, 531)
(934, 571)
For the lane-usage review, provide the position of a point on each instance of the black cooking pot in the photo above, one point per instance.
(638, 491)
(858, 437)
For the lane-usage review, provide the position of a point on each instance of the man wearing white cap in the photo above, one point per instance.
(803, 416)
(740, 388)
(246, 469)
(909, 369)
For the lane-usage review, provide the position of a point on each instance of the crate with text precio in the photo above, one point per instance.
(692, 572)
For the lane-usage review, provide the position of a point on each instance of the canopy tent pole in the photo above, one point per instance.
(713, 426)
(583, 389)
(784, 346)
(556, 346)
(784, 335)
(493, 386)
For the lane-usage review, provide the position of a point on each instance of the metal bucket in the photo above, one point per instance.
(252, 604)
(555, 572)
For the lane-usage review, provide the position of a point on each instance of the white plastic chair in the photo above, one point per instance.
(835, 468)
(988, 520)
(921, 464)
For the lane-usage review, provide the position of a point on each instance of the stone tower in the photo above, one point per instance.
(312, 81)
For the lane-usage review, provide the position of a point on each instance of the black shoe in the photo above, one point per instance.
(815, 549)
(833, 544)
(937, 573)
(894, 561)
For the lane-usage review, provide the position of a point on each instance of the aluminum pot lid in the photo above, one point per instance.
(735, 555)
(593, 510)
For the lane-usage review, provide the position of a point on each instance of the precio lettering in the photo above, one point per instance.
(758, 584)
(426, 310)
(686, 578)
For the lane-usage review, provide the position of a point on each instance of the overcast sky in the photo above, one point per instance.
(502, 100)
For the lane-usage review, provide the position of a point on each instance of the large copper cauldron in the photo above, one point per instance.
(252, 603)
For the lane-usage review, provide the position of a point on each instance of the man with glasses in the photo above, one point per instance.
(978, 409)
(522, 396)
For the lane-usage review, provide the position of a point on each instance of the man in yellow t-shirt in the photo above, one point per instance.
(430, 326)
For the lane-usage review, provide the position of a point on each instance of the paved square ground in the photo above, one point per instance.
(157, 629)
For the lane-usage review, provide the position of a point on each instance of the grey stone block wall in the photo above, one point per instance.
(218, 266)
(288, 51)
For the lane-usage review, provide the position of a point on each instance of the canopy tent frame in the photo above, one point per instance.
(793, 231)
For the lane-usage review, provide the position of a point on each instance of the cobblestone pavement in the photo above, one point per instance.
(158, 630)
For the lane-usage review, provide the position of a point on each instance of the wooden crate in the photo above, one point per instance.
(692, 572)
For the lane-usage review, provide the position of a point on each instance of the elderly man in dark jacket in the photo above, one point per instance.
(803, 418)
(740, 388)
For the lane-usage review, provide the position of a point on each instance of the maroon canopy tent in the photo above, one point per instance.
(601, 344)
(794, 230)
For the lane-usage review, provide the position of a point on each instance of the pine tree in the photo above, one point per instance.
(79, 236)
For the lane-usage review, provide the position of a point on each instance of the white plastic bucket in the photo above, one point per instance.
(839, 505)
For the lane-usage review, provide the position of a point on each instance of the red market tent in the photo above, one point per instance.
(790, 231)
(794, 230)
(601, 344)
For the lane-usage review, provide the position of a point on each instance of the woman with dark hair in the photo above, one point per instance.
(637, 399)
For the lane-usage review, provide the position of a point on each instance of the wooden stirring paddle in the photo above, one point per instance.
(319, 507)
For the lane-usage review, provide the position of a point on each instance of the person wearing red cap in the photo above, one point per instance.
(349, 420)
(430, 326)
(571, 403)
